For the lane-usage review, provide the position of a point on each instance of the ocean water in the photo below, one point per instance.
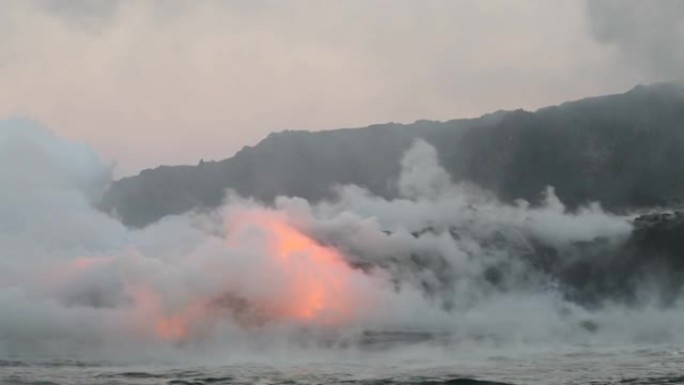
(628, 365)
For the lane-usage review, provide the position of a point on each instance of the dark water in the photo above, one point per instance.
(633, 367)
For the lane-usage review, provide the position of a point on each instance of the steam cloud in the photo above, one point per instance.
(648, 35)
(444, 258)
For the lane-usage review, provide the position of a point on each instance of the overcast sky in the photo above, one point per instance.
(173, 81)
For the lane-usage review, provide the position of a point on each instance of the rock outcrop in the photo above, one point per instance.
(624, 151)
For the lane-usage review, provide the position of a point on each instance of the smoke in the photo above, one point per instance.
(647, 34)
(445, 262)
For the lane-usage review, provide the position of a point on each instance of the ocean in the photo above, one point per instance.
(426, 365)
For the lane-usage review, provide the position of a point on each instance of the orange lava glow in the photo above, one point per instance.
(303, 282)
(313, 284)
(166, 325)
(317, 281)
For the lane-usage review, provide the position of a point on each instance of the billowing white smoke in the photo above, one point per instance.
(444, 258)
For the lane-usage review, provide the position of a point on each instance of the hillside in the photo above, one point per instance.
(625, 150)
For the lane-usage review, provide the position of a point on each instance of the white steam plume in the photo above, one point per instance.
(445, 258)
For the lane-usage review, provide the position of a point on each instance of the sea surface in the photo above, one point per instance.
(634, 366)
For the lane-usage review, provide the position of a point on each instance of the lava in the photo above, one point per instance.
(317, 281)
(292, 279)
(166, 324)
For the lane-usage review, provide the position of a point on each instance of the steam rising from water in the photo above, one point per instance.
(445, 259)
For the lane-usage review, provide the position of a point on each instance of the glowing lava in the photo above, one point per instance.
(316, 281)
(271, 272)
(171, 327)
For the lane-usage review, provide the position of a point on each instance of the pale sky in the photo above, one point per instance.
(173, 81)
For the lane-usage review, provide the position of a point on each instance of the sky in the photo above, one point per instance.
(175, 81)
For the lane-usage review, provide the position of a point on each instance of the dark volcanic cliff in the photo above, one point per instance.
(626, 151)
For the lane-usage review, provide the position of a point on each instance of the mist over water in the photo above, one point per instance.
(446, 266)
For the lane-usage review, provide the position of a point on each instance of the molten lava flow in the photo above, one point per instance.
(316, 280)
(312, 284)
(166, 325)
(287, 277)
(155, 318)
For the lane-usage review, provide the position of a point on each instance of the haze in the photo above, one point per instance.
(169, 82)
